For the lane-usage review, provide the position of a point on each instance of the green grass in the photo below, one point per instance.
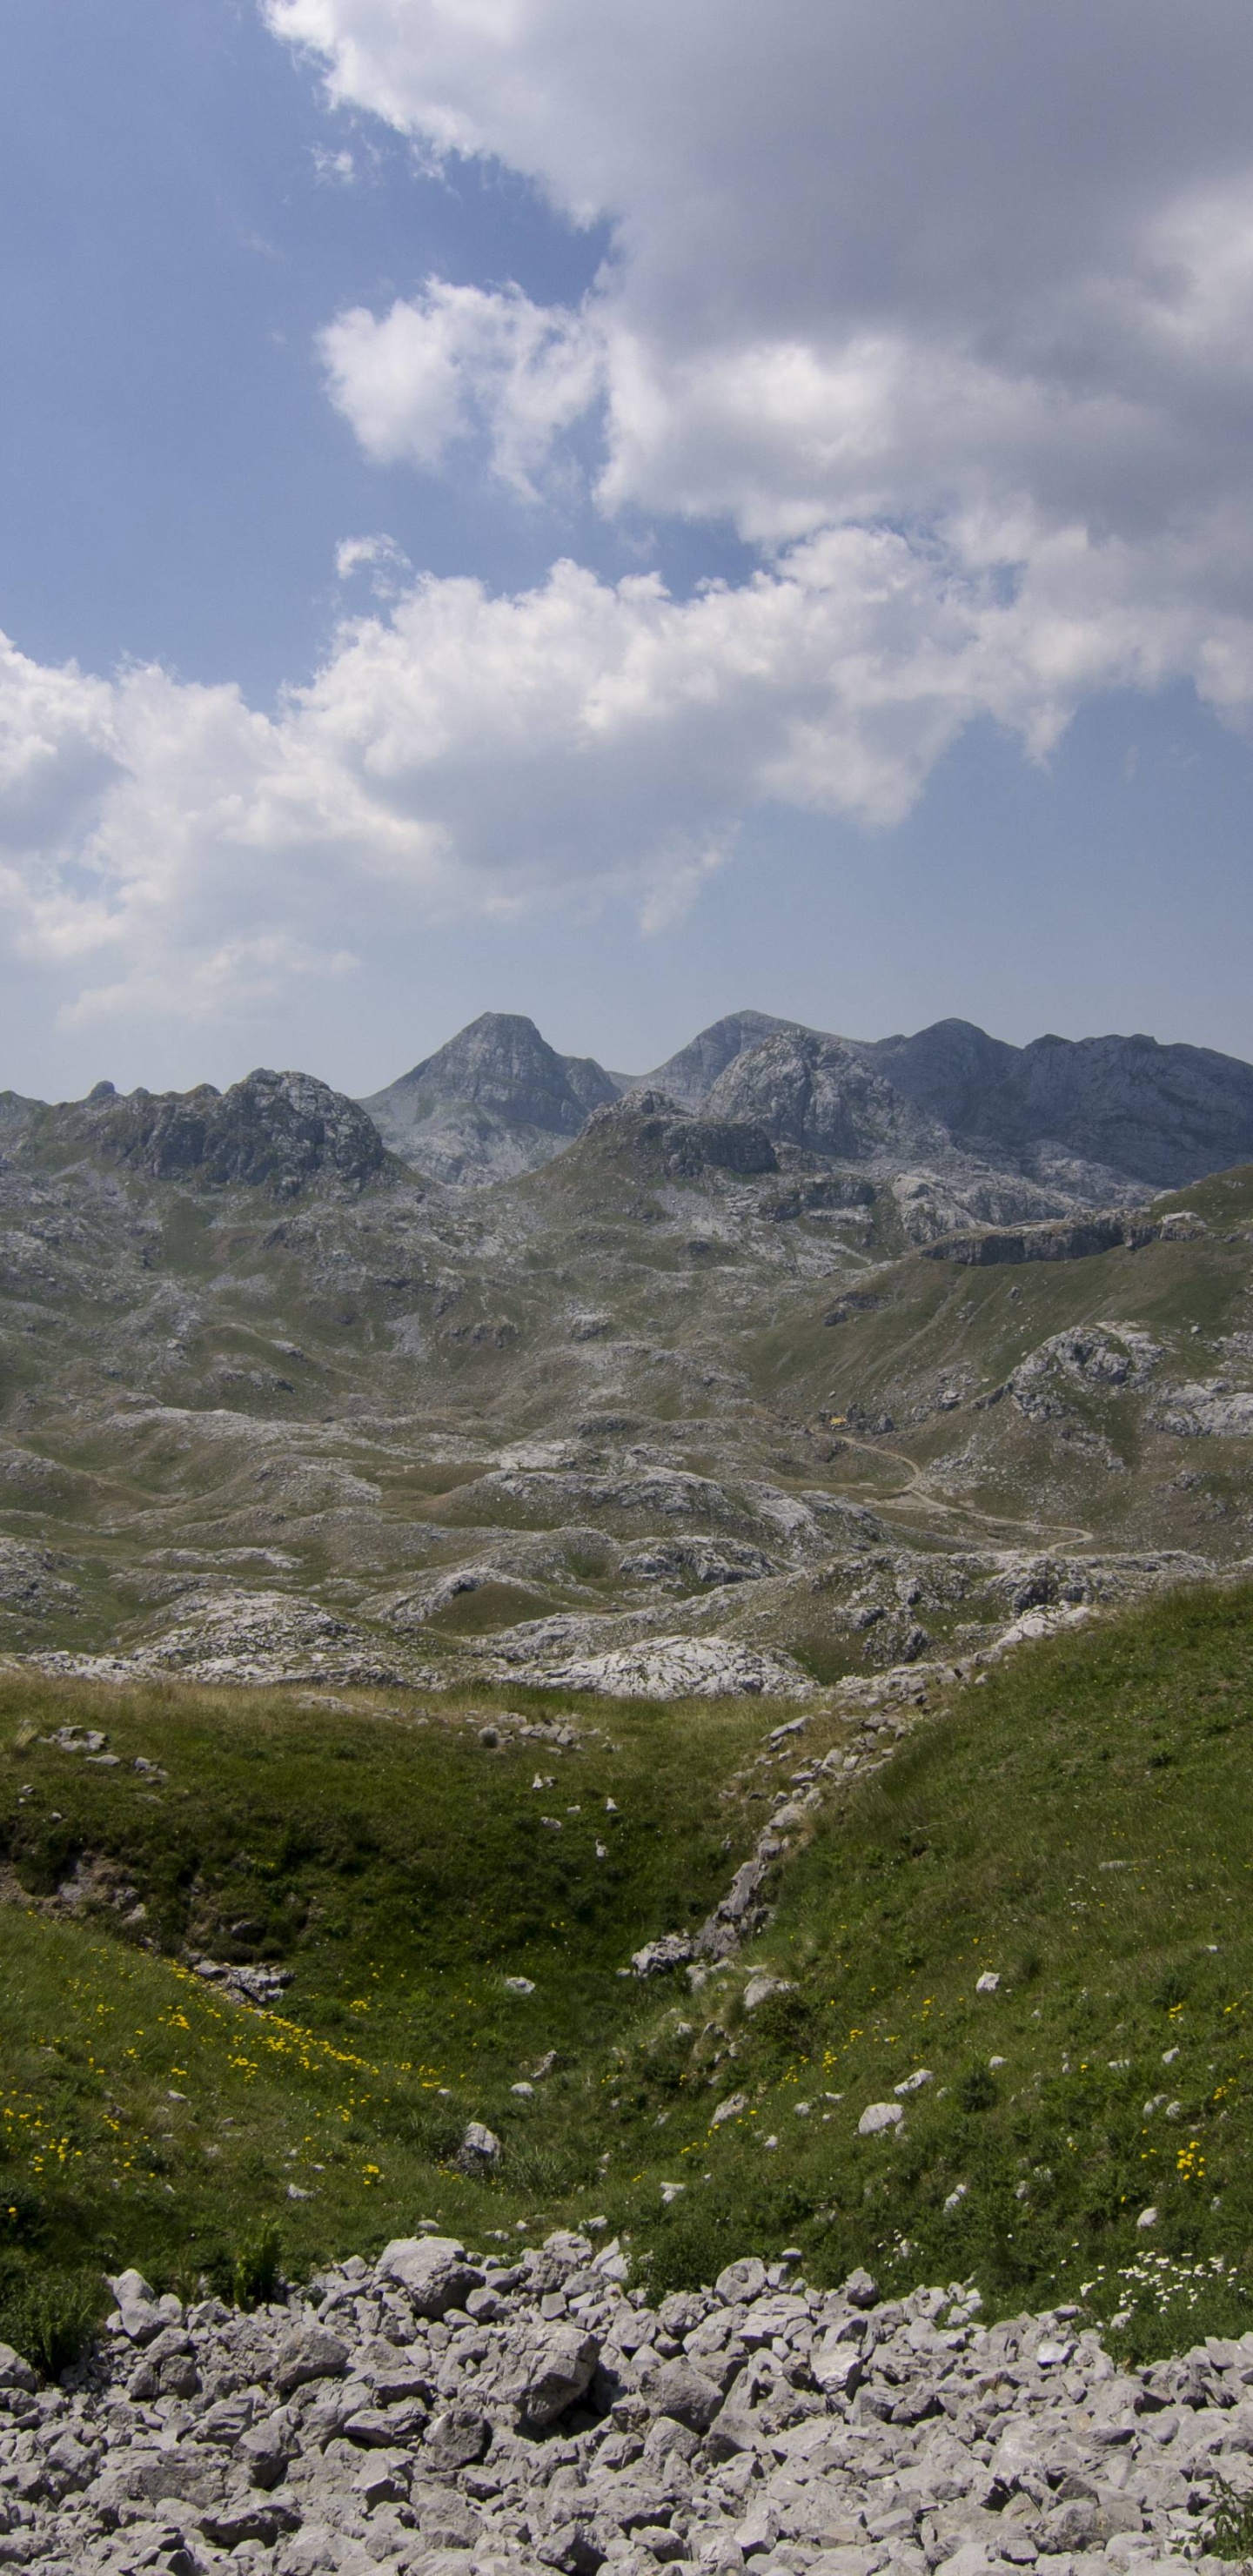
(398, 1865)
(1078, 1823)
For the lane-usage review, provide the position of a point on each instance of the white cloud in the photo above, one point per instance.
(983, 272)
(462, 362)
(580, 742)
(950, 311)
(380, 558)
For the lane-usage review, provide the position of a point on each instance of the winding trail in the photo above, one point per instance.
(926, 1502)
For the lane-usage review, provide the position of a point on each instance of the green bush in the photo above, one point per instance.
(1229, 2531)
(255, 2276)
(976, 2090)
(51, 2319)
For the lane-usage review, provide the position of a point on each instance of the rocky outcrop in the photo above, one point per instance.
(454, 2414)
(660, 1141)
(1101, 1358)
(278, 1132)
(653, 1668)
(814, 1092)
(1213, 1410)
(246, 1640)
(1075, 1239)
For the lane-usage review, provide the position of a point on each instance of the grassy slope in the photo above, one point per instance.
(400, 1866)
(1079, 1823)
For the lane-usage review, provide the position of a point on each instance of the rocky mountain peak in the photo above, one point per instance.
(947, 1070)
(495, 1101)
(501, 1064)
(689, 1076)
(1156, 1114)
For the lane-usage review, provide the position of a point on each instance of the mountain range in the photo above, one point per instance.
(797, 1346)
(1086, 1120)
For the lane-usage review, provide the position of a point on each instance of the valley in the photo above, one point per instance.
(420, 1599)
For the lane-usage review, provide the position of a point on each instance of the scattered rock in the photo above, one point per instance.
(760, 1988)
(672, 1950)
(479, 2150)
(433, 2270)
(310, 2353)
(879, 2116)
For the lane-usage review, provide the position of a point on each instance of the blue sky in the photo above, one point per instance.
(905, 664)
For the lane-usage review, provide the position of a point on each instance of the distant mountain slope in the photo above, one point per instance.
(1158, 1114)
(497, 1100)
(1089, 1118)
(273, 1131)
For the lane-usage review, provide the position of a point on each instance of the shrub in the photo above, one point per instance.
(976, 2090)
(1229, 2531)
(53, 2318)
(255, 2277)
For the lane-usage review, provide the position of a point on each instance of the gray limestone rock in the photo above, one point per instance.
(671, 1950)
(310, 2353)
(553, 2373)
(744, 2279)
(757, 2426)
(479, 2151)
(676, 2388)
(434, 2271)
(456, 2439)
(15, 2372)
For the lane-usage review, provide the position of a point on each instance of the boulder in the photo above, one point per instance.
(879, 2116)
(479, 2151)
(456, 2439)
(553, 2374)
(745, 2279)
(15, 2371)
(672, 1950)
(310, 2353)
(434, 2271)
(141, 2315)
(676, 2388)
(861, 2290)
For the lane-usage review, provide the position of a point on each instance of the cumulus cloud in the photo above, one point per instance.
(985, 272)
(582, 741)
(948, 311)
(461, 362)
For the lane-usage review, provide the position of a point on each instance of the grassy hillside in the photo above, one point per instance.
(402, 1868)
(911, 1370)
(1078, 1824)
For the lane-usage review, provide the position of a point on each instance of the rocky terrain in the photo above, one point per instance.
(454, 2414)
(742, 1393)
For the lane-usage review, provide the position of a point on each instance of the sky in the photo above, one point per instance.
(624, 515)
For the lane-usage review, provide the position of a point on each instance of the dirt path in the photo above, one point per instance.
(954, 1511)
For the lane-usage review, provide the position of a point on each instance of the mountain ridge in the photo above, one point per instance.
(1087, 1117)
(1072, 1122)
